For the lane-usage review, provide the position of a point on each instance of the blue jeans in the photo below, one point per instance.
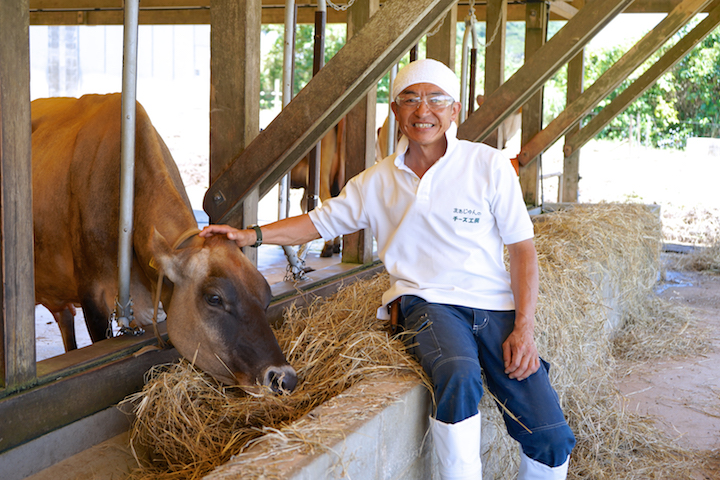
(455, 346)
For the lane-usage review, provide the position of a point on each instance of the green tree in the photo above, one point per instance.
(272, 67)
(681, 104)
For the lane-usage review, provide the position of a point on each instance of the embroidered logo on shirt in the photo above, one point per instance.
(466, 215)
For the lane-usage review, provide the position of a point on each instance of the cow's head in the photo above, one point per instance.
(217, 313)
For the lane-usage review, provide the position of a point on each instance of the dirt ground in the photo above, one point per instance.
(683, 395)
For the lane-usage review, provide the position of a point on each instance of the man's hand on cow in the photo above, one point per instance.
(242, 238)
(520, 354)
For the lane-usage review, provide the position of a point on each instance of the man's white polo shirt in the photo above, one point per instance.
(440, 236)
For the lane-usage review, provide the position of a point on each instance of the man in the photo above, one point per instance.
(441, 210)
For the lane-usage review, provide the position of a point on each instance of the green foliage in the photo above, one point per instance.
(681, 104)
(272, 67)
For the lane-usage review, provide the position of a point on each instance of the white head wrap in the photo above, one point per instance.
(427, 71)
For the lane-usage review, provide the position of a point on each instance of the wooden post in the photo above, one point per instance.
(17, 295)
(234, 90)
(360, 138)
(441, 45)
(571, 164)
(536, 19)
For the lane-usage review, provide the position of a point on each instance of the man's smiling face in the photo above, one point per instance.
(421, 124)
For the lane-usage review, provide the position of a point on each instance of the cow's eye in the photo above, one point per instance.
(213, 300)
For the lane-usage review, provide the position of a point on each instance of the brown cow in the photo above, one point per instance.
(332, 173)
(215, 299)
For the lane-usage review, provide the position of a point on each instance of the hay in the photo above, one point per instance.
(587, 256)
(621, 244)
(186, 424)
(696, 225)
(702, 259)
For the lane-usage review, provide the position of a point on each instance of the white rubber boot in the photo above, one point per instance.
(457, 446)
(533, 470)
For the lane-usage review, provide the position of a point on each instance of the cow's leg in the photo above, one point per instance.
(97, 318)
(330, 247)
(66, 321)
(327, 250)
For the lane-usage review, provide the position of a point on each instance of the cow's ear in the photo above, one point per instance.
(163, 257)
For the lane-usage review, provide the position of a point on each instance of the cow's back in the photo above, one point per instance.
(76, 180)
(58, 126)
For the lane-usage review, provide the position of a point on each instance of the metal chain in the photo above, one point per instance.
(123, 329)
(340, 8)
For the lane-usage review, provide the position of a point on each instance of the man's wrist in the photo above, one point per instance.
(258, 235)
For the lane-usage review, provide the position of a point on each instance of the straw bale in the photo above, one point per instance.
(189, 424)
(695, 225)
(620, 243)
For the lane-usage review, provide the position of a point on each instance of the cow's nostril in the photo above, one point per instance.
(280, 379)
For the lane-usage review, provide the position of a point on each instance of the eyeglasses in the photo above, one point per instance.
(434, 102)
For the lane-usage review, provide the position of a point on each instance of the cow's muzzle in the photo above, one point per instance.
(280, 379)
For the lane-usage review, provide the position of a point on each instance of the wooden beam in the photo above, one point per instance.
(200, 16)
(538, 69)
(17, 295)
(646, 80)
(532, 113)
(611, 79)
(360, 137)
(656, 6)
(351, 73)
(571, 164)
(40, 410)
(562, 9)
(168, 12)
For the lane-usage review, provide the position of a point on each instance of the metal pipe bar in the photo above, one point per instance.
(312, 195)
(392, 123)
(127, 160)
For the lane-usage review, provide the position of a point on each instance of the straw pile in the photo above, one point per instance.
(702, 259)
(189, 424)
(620, 243)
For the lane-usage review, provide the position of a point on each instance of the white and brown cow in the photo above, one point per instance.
(215, 299)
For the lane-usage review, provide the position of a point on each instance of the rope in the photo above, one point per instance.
(471, 17)
(437, 29)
